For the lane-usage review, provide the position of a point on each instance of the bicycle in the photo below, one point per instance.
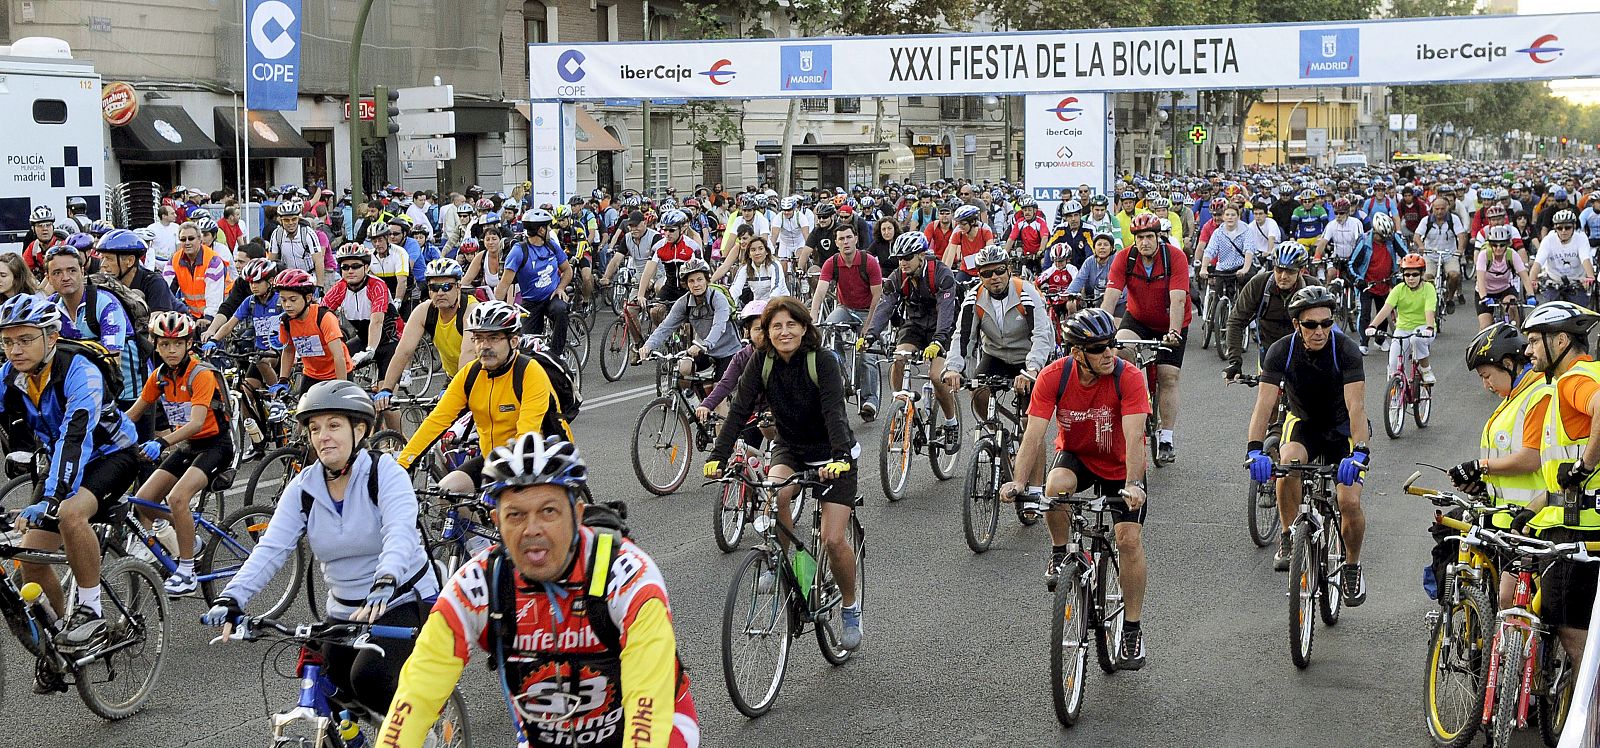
(910, 430)
(739, 504)
(667, 433)
(1316, 559)
(312, 721)
(1406, 391)
(1261, 499)
(1144, 357)
(623, 336)
(114, 676)
(1508, 314)
(990, 464)
(801, 592)
(1215, 309)
(455, 527)
(1088, 597)
(841, 337)
(1461, 633)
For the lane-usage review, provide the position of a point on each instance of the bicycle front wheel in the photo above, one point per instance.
(732, 511)
(273, 473)
(578, 339)
(1261, 508)
(944, 462)
(1508, 685)
(1069, 647)
(980, 511)
(1456, 668)
(614, 350)
(452, 729)
(757, 627)
(225, 552)
(1302, 594)
(1394, 406)
(117, 685)
(388, 441)
(829, 598)
(894, 451)
(1422, 409)
(1554, 705)
(1330, 564)
(663, 446)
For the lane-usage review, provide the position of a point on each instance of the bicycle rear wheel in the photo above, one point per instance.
(1069, 648)
(757, 628)
(1261, 508)
(943, 462)
(894, 451)
(578, 339)
(614, 350)
(1206, 315)
(1109, 612)
(1394, 406)
(830, 599)
(1302, 593)
(388, 441)
(980, 508)
(224, 553)
(663, 446)
(1554, 705)
(452, 729)
(1456, 669)
(117, 685)
(1152, 429)
(1508, 685)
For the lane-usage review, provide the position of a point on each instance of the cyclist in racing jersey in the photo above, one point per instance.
(65, 401)
(309, 335)
(442, 318)
(1129, 201)
(1564, 264)
(92, 313)
(1032, 231)
(1308, 220)
(667, 257)
(1099, 405)
(710, 317)
(1502, 276)
(1154, 276)
(367, 306)
(195, 400)
(540, 270)
(1071, 242)
(1414, 304)
(506, 392)
(294, 243)
(791, 229)
(921, 297)
(530, 604)
(356, 510)
(970, 236)
(388, 261)
(813, 433)
(1003, 325)
(1264, 300)
(1319, 370)
(43, 222)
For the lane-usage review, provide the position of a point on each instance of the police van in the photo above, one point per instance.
(54, 144)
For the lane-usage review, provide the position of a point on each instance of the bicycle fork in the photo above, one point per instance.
(1491, 684)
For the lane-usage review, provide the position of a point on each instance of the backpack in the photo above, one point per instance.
(108, 363)
(733, 306)
(1016, 288)
(219, 404)
(811, 367)
(133, 303)
(568, 399)
(461, 315)
(322, 312)
(1116, 379)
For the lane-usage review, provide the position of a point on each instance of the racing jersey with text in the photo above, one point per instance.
(1031, 234)
(1308, 223)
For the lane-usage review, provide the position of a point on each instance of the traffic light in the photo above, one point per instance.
(1541, 144)
(385, 109)
(1563, 142)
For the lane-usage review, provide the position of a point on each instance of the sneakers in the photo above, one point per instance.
(1131, 652)
(850, 637)
(1363, 349)
(1165, 452)
(82, 629)
(1383, 345)
(1450, 306)
(1428, 377)
(1051, 572)
(181, 584)
(950, 434)
(1353, 585)
(869, 410)
(1280, 560)
(766, 582)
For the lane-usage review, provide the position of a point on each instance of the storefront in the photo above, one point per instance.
(271, 138)
(155, 143)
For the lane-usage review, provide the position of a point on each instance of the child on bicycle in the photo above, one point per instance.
(196, 404)
(310, 335)
(1413, 304)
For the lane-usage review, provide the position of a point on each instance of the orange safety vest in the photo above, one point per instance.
(191, 281)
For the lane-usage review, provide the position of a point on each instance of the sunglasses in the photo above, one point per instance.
(992, 272)
(352, 265)
(1317, 325)
(441, 287)
(1099, 348)
(1411, 275)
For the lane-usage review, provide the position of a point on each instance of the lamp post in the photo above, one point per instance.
(991, 103)
(357, 193)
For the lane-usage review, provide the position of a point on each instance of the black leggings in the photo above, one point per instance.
(1370, 304)
(368, 677)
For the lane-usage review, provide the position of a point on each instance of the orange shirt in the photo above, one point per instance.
(1576, 393)
(312, 336)
(177, 398)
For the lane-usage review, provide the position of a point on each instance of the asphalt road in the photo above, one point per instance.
(956, 650)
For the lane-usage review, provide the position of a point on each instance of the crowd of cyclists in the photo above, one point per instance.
(141, 368)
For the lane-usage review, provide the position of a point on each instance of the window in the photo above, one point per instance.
(851, 105)
(603, 22)
(949, 107)
(813, 105)
(913, 101)
(1297, 124)
(535, 27)
(711, 163)
(660, 166)
(973, 106)
(49, 111)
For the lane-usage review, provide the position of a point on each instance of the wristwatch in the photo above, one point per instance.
(1138, 483)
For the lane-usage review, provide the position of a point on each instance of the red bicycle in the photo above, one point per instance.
(1407, 391)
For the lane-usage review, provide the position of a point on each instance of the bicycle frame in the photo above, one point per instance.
(1521, 615)
(166, 561)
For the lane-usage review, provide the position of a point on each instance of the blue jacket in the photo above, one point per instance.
(116, 331)
(1361, 258)
(74, 415)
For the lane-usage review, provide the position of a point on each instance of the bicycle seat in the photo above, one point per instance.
(222, 480)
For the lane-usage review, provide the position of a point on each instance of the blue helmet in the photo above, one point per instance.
(1289, 255)
(81, 241)
(31, 310)
(123, 241)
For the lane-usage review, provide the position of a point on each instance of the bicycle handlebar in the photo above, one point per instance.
(988, 383)
(804, 477)
(354, 635)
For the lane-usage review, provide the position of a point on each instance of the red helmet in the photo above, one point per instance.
(294, 279)
(1413, 262)
(1495, 211)
(259, 269)
(1145, 222)
(1218, 204)
(1341, 204)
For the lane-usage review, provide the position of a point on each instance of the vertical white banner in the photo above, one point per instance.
(552, 152)
(1066, 145)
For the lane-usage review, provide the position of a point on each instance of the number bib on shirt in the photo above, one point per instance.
(308, 346)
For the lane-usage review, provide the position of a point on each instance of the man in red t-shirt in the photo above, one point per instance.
(970, 236)
(1155, 277)
(1099, 404)
(859, 278)
(938, 232)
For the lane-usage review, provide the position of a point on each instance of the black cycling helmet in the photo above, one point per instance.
(1494, 345)
(1089, 326)
(1311, 297)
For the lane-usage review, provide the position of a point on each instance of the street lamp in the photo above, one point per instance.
(991, 103)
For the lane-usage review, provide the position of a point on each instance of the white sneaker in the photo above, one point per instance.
(1428, 378)
(181, 584)
(1363, 349)
(1384, 346)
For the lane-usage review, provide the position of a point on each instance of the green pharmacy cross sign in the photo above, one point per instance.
(1198, 134)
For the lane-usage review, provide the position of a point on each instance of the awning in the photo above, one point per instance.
(591, 135)
(162, 133)
(826, 149)
(271, 136)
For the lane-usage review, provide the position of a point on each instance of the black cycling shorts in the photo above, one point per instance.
(209, 455)
(841, 490)
(1172, 357)
(1324, 446)
(994, 367)
(1568, 587)
(474, 470)
(1089, 482)
(914, 334)
(109, 478)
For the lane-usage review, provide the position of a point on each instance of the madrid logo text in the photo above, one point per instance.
(720, 74)
(1067, 109)
(1543, 49)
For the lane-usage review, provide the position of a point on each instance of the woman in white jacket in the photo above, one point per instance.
(760, 274)
(362, 527)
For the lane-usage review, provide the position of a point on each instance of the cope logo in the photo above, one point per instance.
(1330, 53)
(807, 67)
(1543, 49)
(1067, 109)
(570, 66)
(719, 73)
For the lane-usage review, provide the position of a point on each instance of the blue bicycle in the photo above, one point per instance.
(319, 717)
